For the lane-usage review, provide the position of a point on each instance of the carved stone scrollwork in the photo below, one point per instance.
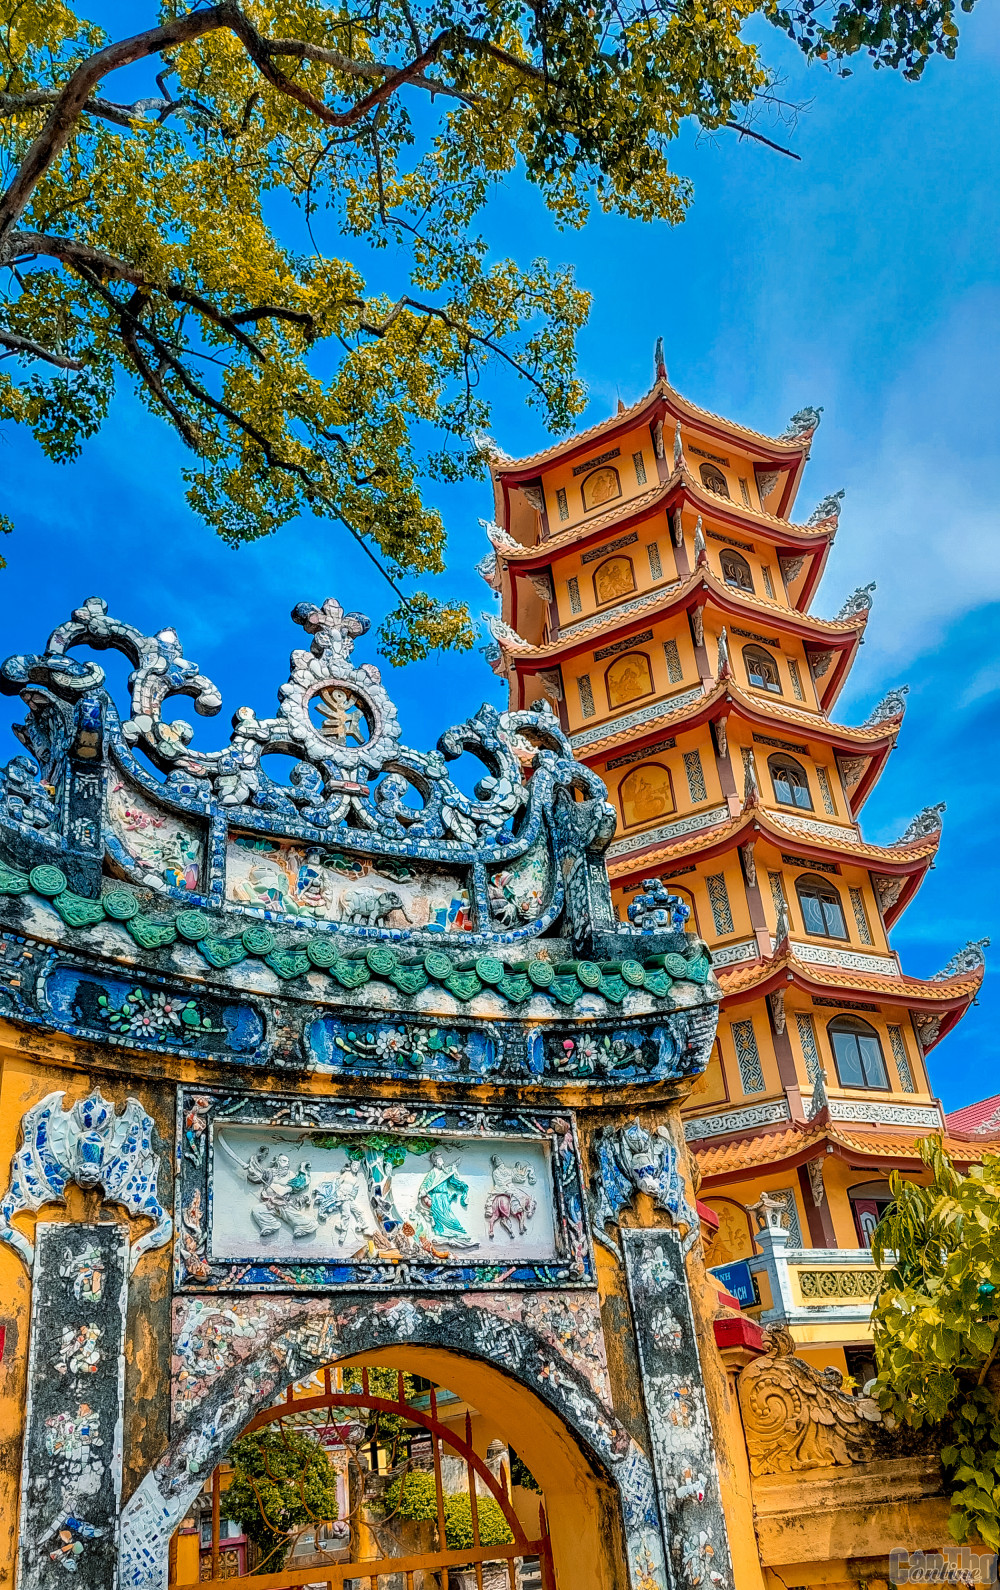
(749, 864)
(500, 539)
(721, 734)
(698, 625)
(888, 890)
(817, 1186)
(535, 497)
(798, 1418)
(550, 680)
(767, 479)
(791, 568)
(928, 1029)
(541, 582)
(819, 662)
(776, 1001)
(851, 769)
(488, 568)
(677, 528)
(658, 438)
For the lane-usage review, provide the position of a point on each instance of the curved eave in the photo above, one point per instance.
(660, 402)
(725, 1160)
(949, 998)
(679, 488)
(829, 634)
(909, 861)
(725, 697)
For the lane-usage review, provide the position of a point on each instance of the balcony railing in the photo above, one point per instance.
(813, 1286)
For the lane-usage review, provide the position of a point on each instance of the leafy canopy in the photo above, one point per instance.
(412, 1498)
(283, 1481)
(178, 242)
(937, 1326)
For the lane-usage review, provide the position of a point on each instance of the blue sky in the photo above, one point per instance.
(865, 278)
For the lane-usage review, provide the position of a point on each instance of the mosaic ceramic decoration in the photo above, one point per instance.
(276, 1192)
(368, 917)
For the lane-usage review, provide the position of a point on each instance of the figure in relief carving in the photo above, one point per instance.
(371, 907)
(285, 1195)
(510, 1204)
(440, 1190)
(336, 1204)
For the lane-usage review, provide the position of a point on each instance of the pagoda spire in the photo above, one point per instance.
(661, 368)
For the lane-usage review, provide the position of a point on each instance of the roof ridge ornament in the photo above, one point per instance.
(892, 705)
(801, 425)
(970, 958)
(661, 365)
(859, 601)
(927, 821)
(827, 509)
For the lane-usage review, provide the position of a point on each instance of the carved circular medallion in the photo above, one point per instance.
(258, 940)
(633, 973)
(437, 965)
(675, 965)
(541, 973)
(193, 925)
(322, 951)
(47, 880)
(589, 974)
(382, 961)
(489, 969)
(120, 904)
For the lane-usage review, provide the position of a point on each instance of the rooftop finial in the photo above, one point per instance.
(661, 368)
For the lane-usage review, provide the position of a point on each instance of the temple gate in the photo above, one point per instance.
(354, 1070)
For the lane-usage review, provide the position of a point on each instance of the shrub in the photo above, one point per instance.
(413, 1499)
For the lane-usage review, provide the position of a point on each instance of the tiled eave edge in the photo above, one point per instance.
(679, 407)
(876, 740)
(726, 1158)
(949, 997)
(901, 859)
(794, 538)
(828, 633)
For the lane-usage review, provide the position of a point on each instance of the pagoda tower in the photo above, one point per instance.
(656, 589)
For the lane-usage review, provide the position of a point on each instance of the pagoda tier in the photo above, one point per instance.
(828, 645)
(653, 589)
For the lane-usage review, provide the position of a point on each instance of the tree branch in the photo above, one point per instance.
(748, 132)
(15, 343)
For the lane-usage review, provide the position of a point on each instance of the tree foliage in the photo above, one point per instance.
(937, 1326)
(179, 241)
(283, 1481)
(412, 1498)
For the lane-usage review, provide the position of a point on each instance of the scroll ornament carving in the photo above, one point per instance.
(488, 568)
(91, 1145)
(802, 423)
(892, 705)
(887, 889)
(859, 601)
(927, 821)
(819, 662)
(851, 768)
(797, 1417)
(541, 582)
(500, 539)
(828, 509)
(968, 959)
(767, 479)
(791, 568)
(334, 715)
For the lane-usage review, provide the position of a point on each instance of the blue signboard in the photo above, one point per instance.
(738, 1281)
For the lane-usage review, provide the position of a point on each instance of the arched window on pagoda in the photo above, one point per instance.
(646, 794)
(819, 902)
(600, 486)
(714, 480)
(858, 1053)
(613, 578)
(628, 678)
(762, 670)
(791, 783)
(736, 571)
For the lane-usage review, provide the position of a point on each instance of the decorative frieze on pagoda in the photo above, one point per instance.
(655, 584)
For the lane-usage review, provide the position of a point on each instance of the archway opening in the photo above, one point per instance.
(407, 1468)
